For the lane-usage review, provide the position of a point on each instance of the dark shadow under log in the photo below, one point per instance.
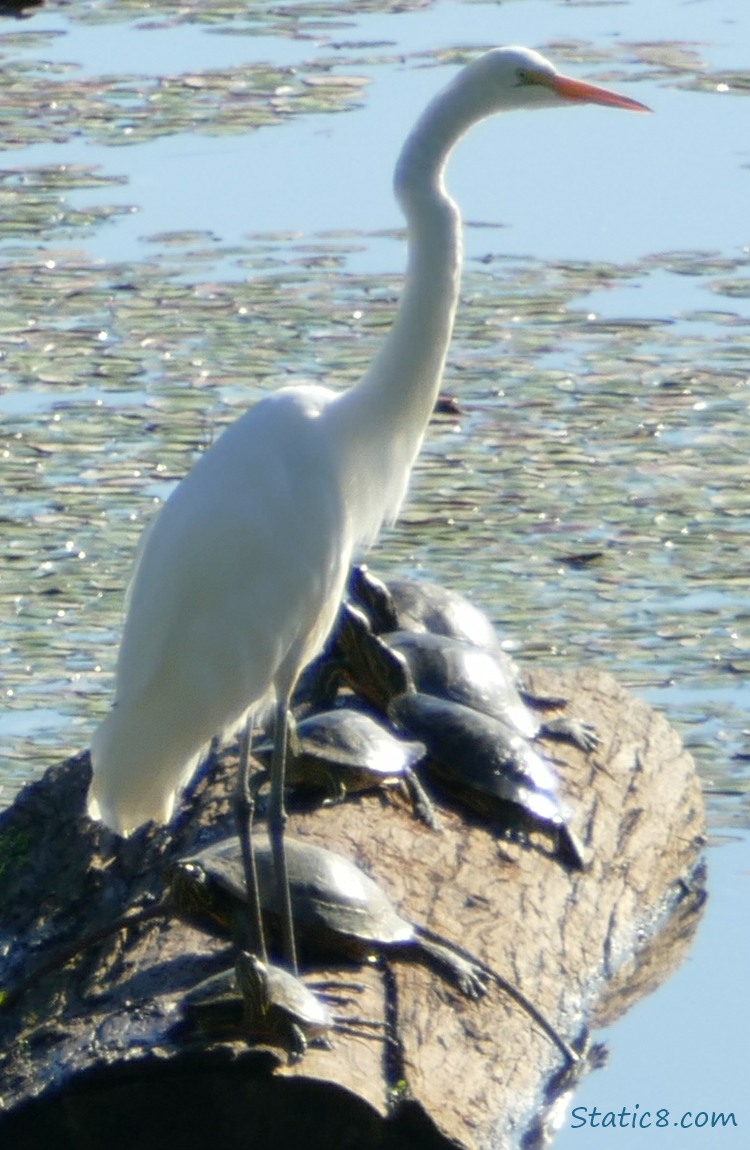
(91, 1056)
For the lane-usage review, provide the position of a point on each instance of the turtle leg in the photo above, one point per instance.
(335, 790)
(468, 976)
(276, 826)
(244, 814)
(420, 800)
(572, 730)
(444, 953)
(297, 1044)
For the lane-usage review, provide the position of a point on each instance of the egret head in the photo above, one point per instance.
(512, 78)
(502, 80)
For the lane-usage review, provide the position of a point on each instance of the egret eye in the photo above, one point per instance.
(523, 76)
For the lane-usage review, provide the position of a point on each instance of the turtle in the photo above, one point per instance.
(414, 605)
(338, 909)
(404, 604)
(454, 669)
(475, 698)
(488, 766)
(380, 667)
(487, 681)
(345, 751)
(262, 1002)
(409, 606)
(411, 635)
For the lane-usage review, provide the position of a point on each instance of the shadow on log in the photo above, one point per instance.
(91, 1056)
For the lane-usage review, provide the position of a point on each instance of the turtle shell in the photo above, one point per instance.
(413, 605)
(457, 670)
(220, 997)
(486, 765)
(279, 995)
(335, 905)
(489, 767)
(346, 739)
(480, 753)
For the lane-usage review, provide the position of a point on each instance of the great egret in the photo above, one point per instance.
(239, 579)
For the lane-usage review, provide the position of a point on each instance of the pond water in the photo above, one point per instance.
(157, 209)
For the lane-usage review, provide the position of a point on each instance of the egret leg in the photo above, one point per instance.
(244, 814)
(276, 826)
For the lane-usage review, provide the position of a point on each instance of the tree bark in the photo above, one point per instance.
(92, 1055)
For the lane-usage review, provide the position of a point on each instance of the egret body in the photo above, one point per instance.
(239, 578)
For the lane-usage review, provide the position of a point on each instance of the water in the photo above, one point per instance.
(679, 1051)
(262, 187)
(631, 437)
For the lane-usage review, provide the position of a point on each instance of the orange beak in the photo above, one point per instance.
(585, 93)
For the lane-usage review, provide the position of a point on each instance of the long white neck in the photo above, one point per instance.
(408, 370)
(384, 417)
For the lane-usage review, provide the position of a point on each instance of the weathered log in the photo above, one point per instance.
(91, 1053)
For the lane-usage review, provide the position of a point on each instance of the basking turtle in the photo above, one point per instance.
(454, 669)
(262, 1002)
(380, 667)
(346, 751)
(413, 605)
(338, 910)
(488, 766)
(420, 636)
(402, 605)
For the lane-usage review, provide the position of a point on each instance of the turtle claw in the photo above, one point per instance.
(570, 849)
(472, 984)
(298, 1046)
(574, 731)
(468, 976)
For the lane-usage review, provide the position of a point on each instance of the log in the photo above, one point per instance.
(93, 1053)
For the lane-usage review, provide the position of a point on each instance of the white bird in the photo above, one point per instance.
(239, 578)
